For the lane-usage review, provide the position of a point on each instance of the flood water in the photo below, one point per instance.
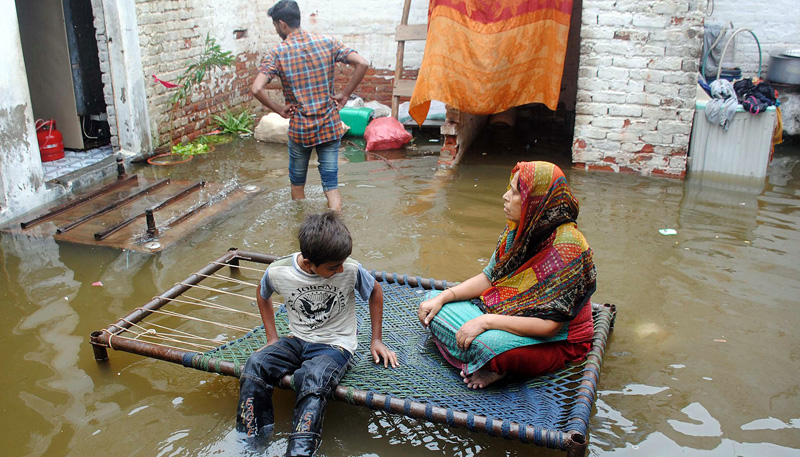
(703, 360)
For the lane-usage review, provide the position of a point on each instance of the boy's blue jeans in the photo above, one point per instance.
(328, 156)
(317, 369)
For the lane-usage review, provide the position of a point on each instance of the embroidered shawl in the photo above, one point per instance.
(543, 267)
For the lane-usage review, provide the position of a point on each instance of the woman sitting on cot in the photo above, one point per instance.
(529, 312)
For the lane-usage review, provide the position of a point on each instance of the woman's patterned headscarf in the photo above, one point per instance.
(543, 264)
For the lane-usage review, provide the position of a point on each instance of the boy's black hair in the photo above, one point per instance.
(286, 11)
(324, 238)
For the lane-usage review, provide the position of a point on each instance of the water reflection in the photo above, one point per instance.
(48, 389)
(702, 361)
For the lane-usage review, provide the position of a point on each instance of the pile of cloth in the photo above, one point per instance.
(755, 95)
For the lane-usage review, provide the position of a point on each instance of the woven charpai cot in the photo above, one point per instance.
(551, 411)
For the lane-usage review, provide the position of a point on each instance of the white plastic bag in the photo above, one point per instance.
(378, 109)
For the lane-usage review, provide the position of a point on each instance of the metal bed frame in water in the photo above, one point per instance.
(551, 411)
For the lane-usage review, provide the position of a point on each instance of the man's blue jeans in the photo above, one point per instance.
(317, 369)
(328, 156)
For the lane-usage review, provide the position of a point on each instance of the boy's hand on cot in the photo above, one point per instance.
(469, 331)
(380, 351)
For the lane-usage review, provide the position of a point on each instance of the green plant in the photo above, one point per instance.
(212, 57)
(235, 123)
(192, 148)
(215, 139)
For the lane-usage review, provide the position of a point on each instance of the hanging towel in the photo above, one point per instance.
(484, 57)
(722, 107)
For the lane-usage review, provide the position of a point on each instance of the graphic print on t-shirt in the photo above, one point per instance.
(315, 304)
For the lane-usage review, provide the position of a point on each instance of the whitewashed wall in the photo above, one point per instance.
(776, 23)
(21, 183)
(367, 26)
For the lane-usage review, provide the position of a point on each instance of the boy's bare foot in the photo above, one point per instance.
(481, 378)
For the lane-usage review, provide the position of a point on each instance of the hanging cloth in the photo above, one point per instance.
(484, 57)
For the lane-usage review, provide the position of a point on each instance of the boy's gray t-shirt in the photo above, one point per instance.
(320, 310)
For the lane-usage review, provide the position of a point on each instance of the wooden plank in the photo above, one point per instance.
(158, 184)
(404, 87)
(416, 32)
(99, 236)
(401, 45)
(52, 212)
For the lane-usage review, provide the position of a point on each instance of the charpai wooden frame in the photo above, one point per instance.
(569, 394)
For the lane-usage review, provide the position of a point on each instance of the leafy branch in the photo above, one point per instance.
(213, 57)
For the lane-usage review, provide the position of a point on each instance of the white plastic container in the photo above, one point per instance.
(743, 150)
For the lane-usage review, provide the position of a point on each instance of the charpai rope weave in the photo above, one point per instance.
(552, 407)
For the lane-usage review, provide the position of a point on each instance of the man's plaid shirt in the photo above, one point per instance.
(305, 64)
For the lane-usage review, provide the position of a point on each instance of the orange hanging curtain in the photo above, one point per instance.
(486, 56)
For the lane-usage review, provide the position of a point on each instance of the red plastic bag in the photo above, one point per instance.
(385, 133)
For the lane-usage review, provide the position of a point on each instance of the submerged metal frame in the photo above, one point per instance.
(573, 442)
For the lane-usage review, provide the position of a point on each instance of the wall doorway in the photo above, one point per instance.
(65, 82)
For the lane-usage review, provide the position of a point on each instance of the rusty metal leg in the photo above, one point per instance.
(576, 445)
(120, 168)
(234, 262)
(100, 351)
(152, 230)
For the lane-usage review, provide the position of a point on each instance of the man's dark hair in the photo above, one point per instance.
(324, 238)
(286, 11)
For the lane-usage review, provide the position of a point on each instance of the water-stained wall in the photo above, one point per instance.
(21, 181)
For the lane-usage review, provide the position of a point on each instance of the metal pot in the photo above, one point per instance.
(784, 68)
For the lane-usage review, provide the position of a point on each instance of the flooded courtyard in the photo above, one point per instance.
(702, 361)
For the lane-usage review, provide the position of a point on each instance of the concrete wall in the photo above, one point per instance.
(21, 180)
(636, 85)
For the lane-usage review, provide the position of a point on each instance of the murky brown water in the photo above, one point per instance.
(703, 360)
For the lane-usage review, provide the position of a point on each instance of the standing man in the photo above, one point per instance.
(305, 63)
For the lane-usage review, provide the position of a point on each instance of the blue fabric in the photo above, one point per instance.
(492, 260)
(316, 368)
(485, 346)
(365, 282)
(328, 157)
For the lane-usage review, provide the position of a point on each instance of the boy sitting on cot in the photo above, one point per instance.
(319, 285)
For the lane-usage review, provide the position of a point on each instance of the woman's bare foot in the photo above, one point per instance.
(481, 378)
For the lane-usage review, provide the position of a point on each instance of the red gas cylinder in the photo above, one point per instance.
(51, 143)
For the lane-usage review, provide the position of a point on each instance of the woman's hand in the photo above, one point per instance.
(429, 308)
(380, 351)
(470, 330)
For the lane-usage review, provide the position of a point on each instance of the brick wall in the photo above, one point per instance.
(376, 85)
(636, 85)
(172, 32)
(102, 48)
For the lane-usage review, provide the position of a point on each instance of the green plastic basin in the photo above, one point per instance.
(356, 118)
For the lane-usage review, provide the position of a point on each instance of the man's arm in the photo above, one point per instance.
(361, 65)
(376, 346)
(267, 316)
(258, 89)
